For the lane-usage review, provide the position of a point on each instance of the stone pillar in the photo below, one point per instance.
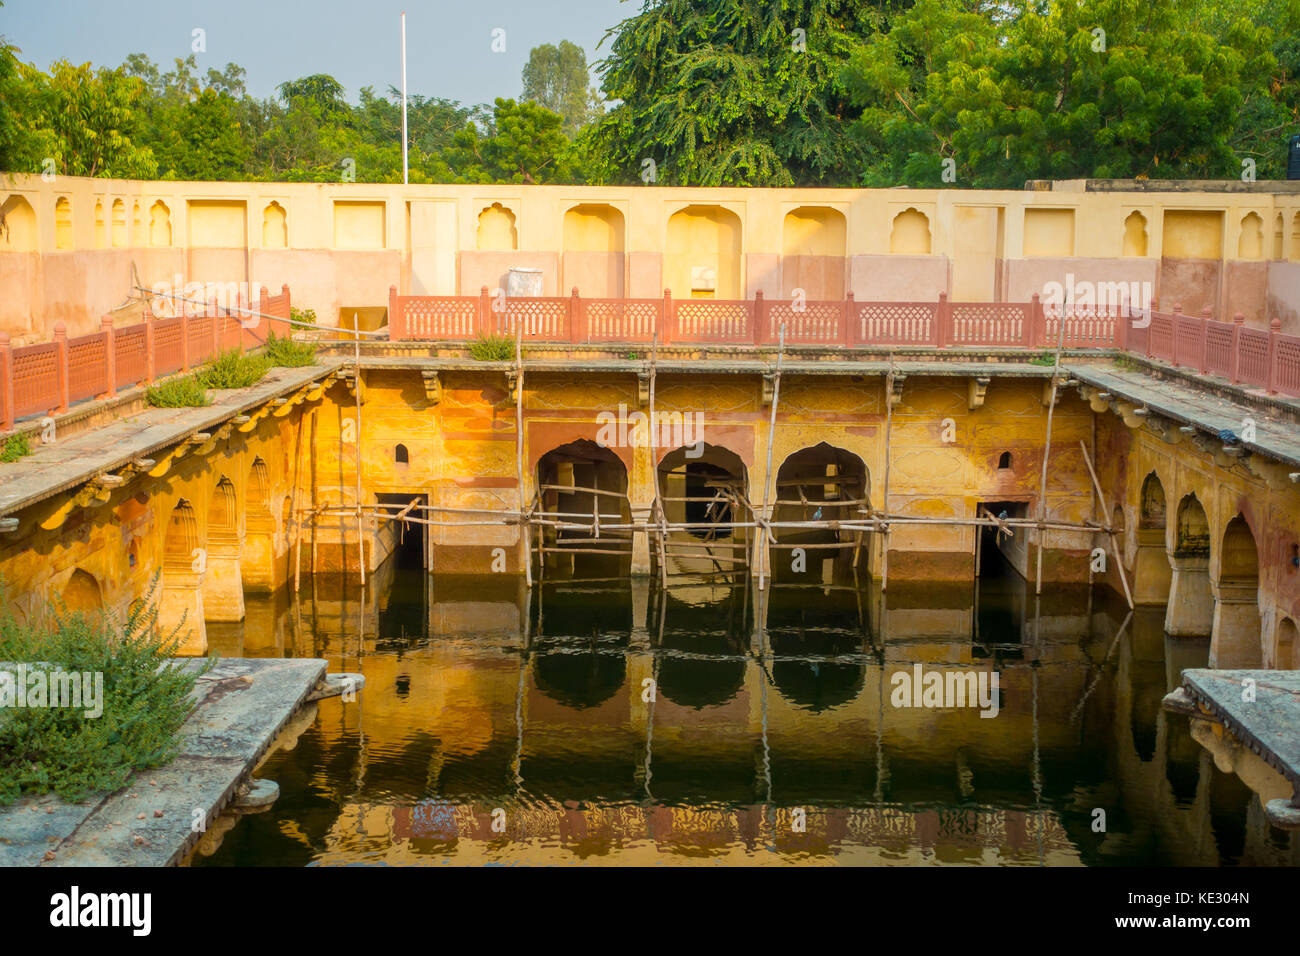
(223, 583)
(180, 605)
(258, 560)
(1191, 604)
(1151, 570)
(1235, 637)
(640, 543)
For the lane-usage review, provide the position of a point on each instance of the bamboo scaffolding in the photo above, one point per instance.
(763, 532)
(1047, 453)
(889, 423)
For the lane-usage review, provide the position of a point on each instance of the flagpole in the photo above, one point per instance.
(405, 169)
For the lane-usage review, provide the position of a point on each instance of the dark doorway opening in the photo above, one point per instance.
(702, 482)
(409, 551)
(1002, 554)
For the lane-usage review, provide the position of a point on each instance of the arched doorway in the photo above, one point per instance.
(258, 554)
(223, 588)
(582, 483)
(81, 595)
(593, 260)
(813, 246)
(1286, 646)
(1191, 604)
(1235, 640)
(183, 569)
(703, 491)
(1151, 567)
(818, 483)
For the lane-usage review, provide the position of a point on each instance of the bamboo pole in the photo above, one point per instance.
(361, 529)
(1047, 451)
(763, 533)
(294, 506)
(525, 528)
(1110, 532)
(889, 423)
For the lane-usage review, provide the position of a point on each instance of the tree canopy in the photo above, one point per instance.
(731, 92)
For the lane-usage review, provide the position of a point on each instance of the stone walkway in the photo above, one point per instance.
(240, 707)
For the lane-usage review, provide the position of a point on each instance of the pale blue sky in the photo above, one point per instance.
(357, 41)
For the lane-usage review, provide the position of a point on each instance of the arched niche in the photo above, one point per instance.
(160, 224)
(1286, 646)
(910, 233)
(496, 230)
(702, 257)
(101, 228)
(275, 227)
(19, 231)
(181, 539)
(63, 235)
(1192, 539)
(1239, 560)
(585, 478)
(82, 593)
(119, 237)
(223, 513)
(1250, 242)
(1135, 235)
(257, 493)
(813, 249)
(594, 251)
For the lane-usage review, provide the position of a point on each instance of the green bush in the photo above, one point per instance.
(184, 392)
(286, 353)
(145, 699)
(306, 316)
(493, 348)
(16, 446)
(233, 369)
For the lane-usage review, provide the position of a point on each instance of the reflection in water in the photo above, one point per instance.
(612, 722)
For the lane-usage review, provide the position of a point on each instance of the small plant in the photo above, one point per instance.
(304, 316)
(141, 696)
(16, 446)
(233, 369)
(1043, 358)
(632, 356)
(286, 353)
(493, 348)
(1125, 362)
(184, 392)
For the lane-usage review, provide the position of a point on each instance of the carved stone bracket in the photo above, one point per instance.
(769, 389)
(975, 389)
(896, 389)
(432, 386)
(512, 384)
(643, 388)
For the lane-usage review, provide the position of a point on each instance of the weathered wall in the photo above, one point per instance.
(71, 243)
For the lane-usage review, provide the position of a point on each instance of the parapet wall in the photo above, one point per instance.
(74, 247)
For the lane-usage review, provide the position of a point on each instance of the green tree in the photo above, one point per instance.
(522, 143)
(556, 77)
(732, 92)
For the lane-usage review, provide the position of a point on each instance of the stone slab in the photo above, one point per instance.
(57, 467)
(1269, 725)
(240, 707)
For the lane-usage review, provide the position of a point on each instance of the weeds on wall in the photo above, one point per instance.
(233, 369)
(286, 353)
(145, 697)
(16, 446)
(183, 392)
(492, 348)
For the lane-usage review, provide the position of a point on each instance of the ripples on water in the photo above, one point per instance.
(482, 697)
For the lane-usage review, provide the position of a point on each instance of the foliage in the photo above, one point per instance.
(145, 700)
(730, 93)
(556, 78)
(16, 446)
(286, 353)
(184, 391)
(492, 348)
(233, 369)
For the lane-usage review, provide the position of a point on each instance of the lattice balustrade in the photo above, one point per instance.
(990, 323)
(1286, 371)
(167, 346)
(440, 317)
(1160, 336)
(1189, 341)
(621, 320)
(36, 379)
(817, 323)
(544, 319)
(87, 367)
(130, 358)
(1252, 360)
(713, 321)
(895, 323)
(1218, 348)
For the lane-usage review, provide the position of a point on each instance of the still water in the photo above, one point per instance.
(609, 722)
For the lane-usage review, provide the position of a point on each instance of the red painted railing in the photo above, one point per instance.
(47, 377)
(1245, 356)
